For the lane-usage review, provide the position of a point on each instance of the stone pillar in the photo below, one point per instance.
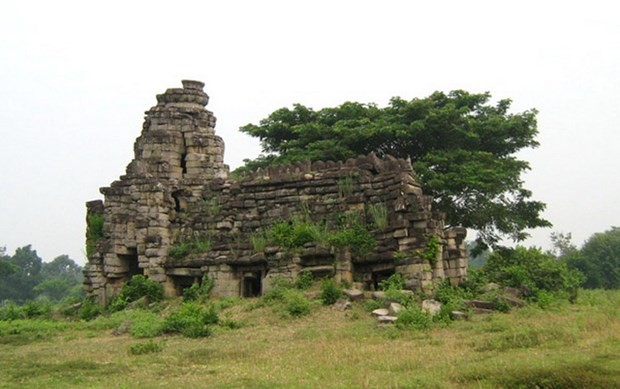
(344, 266)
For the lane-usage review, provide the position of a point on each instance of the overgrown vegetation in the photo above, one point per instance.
(193, 246)
(379, 215)
(94, 231)
(330, 291)
(138, 287)
(431, 250)
(298, 231)
(199, 291)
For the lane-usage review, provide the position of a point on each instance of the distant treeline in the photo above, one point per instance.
(24, 276)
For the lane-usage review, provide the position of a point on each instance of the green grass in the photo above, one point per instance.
(569, 346)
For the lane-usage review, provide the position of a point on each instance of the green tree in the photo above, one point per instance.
(59, 278)
(563, 245)
(599, 260)
(462, 148)
(6, 267)
(18, 286)
(63, 267)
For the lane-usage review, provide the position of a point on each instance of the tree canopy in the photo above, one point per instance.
(462, 147)
(24, 276)
(599, 260)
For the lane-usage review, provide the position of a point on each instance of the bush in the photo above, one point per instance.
(452, 297)
(89, 310)
(199, 292)
(414, 318)
(40, 308)
(137, 287)
(192, 320)
(533, 270)
(330, 291)
(146, 324)
(10, 311)
(286, 300)
(396, 282)
(304, 280)
(295, 303)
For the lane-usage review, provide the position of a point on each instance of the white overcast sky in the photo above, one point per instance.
(76, 78)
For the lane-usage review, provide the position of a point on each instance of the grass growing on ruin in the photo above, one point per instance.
(567, 346)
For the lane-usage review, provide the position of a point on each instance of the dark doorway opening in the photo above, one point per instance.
(252, 284)
(130, 263)
(378, 276)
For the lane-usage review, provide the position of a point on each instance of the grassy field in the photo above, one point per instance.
(568, 346)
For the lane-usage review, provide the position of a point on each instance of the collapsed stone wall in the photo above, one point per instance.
(176, 195)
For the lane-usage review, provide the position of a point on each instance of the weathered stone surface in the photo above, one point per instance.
(394, 309)
(458, 315)
(354, 294)
(386, 319)
(342, 305)
(512, 292)
(379, 295)
(431, 306)
(177, 209)
(481, 304)
(490, 287)
(481, 311)
(380, 312)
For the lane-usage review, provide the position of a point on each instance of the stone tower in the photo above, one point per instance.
(177, 145)
(178, 138)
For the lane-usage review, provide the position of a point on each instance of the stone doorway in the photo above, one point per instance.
(380, 275)
(129, 262)
(252, 284)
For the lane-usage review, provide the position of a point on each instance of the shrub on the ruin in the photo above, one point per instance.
(199, 291)
(304, 280)
(356, 237)
(185, 248)
(431, 250)
(379, 214)
(395, 282)
(136, 288)
(192, 320)
(295, 233)
(94, 231)
(330, 291)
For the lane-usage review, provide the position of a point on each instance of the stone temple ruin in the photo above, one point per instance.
(176, 215)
